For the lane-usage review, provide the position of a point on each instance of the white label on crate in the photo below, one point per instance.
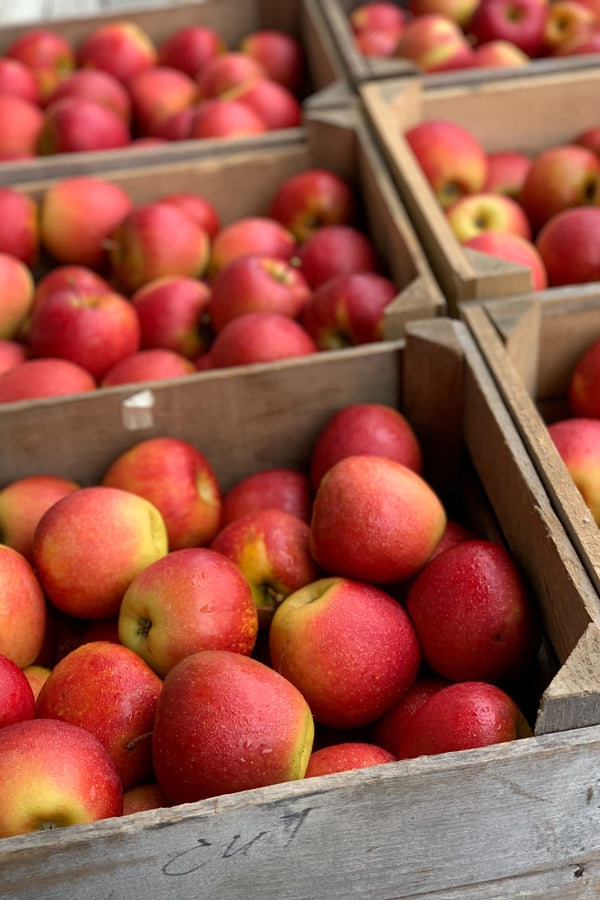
(137, 411)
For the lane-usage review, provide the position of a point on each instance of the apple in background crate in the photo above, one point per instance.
(157, 364)
(16, 294)
(171, 313)
(44, 378)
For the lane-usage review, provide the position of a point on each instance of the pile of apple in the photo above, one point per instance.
(162, 642)
(442, 35)
(158, 290)
(541, 211)
(120, 88)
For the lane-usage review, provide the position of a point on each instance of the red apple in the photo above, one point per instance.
(345, 757)
(348, 647)
(143, 797)
(191, 600)
(120, 48)
(559, 178)
(259, 337)
(569, 246)
(578, 443)
(499, 54)
(226, 71)
(473, 214)
(37, 378)
(434, 43)
(179, 481)
(250, 234)
(336, 250)
(522, 22)
(584, 384)
(148, 365)
(22, 124)
(279, 53)
(386, 731)
(23, 503)
(95, 85)
(378, 15)
(17, 79)
(74, 784)
(227, 723)
(454, 533)
(376, 43)
(89, 546)
(222, 117)
(514, 249)
(277, 488)
(177, 127)
(80, 279)
(158, 93)
(101, 630)
(75, 124)
(275, 104)
(36, 676)
(47, 53)
(565, 20)
(458, 10)
(190, 48)
(12, 353)
(580, 43)
(589, 138)
(16, 295)
(172, 314)
(198, 208)
(312, 198)
(23, 608)
(506, 172)
(19, 225)
(17, 702)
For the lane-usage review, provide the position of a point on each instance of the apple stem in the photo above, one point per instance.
(132, 744)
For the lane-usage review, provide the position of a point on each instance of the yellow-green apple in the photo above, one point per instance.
(277, 488)
(17, 79)
(566, 19)
(250, 234)
(589, 138)
(158, 93)
(68, 232)
(226, 723)
(275, 104)
(584, 384)
(385, 732)
(256, 283)
(452, 160)
(522, 22)
(36, 676)
(19, 225)
(37, 378)
(156, 364)
(179, 481)
(458, 10)
(279, 53)
(375, 520)
(76, 124)
(259, 337)
(120, 48)
(309, 199)
(568, 246)
(198, 208)
(365, 428)
(12, 353)
(23, 503)
(22, 124)
(559, 178)
(434, 43)
(499, 54)
(143, 797)
(172, 312)
(17, 702)
(347, 310)
(270, 547)
(191, 600)
(190, 48)
(89, 546)
(506, 172)
(577, 440)
(153, 240)
(16, 295)
(221, 117)
(54, 774)
(96, 331)
(376, 43)
(514, 249)
(345, 757)
(112, 693)
(336, 250)
(22, 608)
(96, 85)
(348, 647)
(473, 614)
(80, 279)
(49, 54)
(227, 70)
(487, 211)
(378, 15)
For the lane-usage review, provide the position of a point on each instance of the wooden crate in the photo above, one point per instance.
(510, 820)
(232, 19)
(359, 69)
(528, 114)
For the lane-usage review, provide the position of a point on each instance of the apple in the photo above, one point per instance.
(270, 547)
(584, 384)
(226, 723)
(376, 43)
(577, 441)
(96, 331)
(112, 693)
(16, 295)
(198, 208)
(255, 283)
(76, 124)
(22, 124)
(172, 312)
(589, 138)
(17, 702)
(499, 54)
(158, 93)
(452, 160)
(191, 600)
(348, 647)
(336, 250)
(345, 757)
(460, 717)
(37, 378)
(276, 488)
(23, 608)
(522, 22)
(460, 11)
(75, 783)
(259, 337)
(378, 15)
(119, 48)
(36, 676)
(68, 232)
(514, 249)
(312, 198)
(144, 796)
(473, 214)
(565, 20)
(89, 546)
(569, 247)
(250, 234)
(23, 503)
(434, 43)
(154, 240)
(580, 43)
(280, 54)
(375, 520)
(223, 117)
(17, 79)
(473, 614)
(179, 481)
(190, 48)
(177, 127)
(347, 310)
(559, 178)
(506, 172)
(80, 279)
(365, 428)
(12, 353)
(386, 731)
(101, 630)
(155, 364)
(47, 53)
(63, 633)
(454, 533)
(19, 225)
(96, 85)
(275, 104)
(227, 71)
